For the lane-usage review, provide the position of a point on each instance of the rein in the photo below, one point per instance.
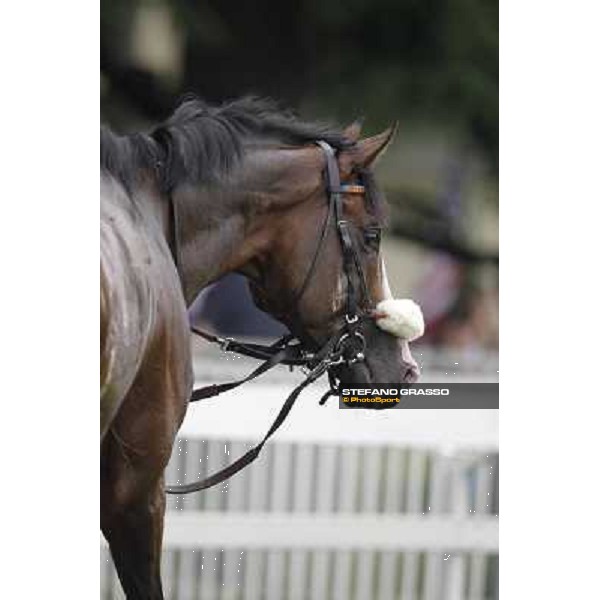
(347, 345)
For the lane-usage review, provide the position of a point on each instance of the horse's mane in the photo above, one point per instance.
(122, 156)
(202, 143)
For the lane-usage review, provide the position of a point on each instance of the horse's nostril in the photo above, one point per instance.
(412, 373)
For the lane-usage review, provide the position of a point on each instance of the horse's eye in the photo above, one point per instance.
(373, 237)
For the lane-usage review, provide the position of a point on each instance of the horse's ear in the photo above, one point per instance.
(370, 149)
(352, 132)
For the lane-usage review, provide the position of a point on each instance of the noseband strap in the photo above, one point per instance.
(347, 345)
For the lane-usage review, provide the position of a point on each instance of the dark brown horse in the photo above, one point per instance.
(248, 186)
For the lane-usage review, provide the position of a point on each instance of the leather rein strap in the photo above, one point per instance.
(346, 345)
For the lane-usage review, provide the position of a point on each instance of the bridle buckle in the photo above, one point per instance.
(358, 355)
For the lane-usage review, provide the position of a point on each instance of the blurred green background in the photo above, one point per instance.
(431, 65)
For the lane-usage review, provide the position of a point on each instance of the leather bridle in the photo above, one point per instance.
(347, 345)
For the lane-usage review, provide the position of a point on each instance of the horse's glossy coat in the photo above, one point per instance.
(141, 301)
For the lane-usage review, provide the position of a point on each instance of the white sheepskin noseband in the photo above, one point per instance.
(402, 318)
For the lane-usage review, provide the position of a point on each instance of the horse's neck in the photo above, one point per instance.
(216, 236)
(222, 228)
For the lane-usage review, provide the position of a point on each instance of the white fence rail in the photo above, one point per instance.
(330, 532)
(373, 505)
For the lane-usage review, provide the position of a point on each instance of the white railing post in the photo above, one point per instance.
(459, 509)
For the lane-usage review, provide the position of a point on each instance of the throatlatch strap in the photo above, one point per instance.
(316, 255)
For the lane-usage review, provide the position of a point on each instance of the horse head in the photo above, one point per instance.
(328, 284)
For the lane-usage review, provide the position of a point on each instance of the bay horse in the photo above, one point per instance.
(241, 187)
